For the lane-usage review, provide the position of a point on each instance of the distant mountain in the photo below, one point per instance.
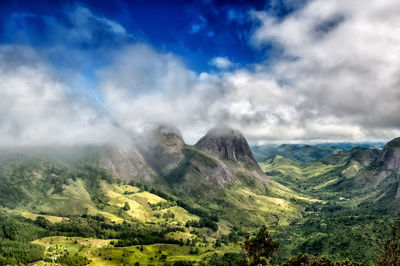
(304, 152)
(350, 145)
(263, 152)
(295, 152)
(364, 176)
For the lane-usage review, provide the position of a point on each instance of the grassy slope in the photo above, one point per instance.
(30, 183)
(139, 202)
(311, 213)
(246, 202)
(101, 252)
(348, 219)
(346, 179)
(324, 179)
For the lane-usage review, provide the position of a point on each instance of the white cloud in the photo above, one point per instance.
(143, 86)
(221, 62)
(343, 61)
(338, 78)
(84, 23)
(38, 108)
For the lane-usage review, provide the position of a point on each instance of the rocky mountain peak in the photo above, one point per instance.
(390, 159)
(126, 163)
(161, 145)
(228, 144)
(390, 155)
(167, 130)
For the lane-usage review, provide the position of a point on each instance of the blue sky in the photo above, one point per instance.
(278, 70)
(196, 31)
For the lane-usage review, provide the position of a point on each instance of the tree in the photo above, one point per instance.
(228, 259)
(391, 252)
(218, 243)
(73, 259)
(260, 248)
(169, 214)
(306, 260)
(42, 222)
(126, 207)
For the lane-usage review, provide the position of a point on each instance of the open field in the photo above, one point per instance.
(101, 252)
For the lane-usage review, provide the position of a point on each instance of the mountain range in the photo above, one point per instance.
(306, 152)
(315, 199)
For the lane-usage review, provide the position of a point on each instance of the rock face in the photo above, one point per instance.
(390, 155)
(161, 145)
(200, 169)
(127, 163)
(227, 144)
(390, 158)
(160, 155)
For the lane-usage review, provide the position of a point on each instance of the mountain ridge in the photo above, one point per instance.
(216, 196)
(306, 152)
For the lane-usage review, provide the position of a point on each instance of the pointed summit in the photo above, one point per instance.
(161, 146)
(227, 144)
(390, 155)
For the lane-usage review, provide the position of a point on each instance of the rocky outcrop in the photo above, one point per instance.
(161, 155)
(161, 146)
(127, 163)
(201, 169)
(231, 148)
(227, 144)
(390, 159)
(390, 155)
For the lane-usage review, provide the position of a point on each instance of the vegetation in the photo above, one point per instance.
(203, 222)
(347, 218)
(73, 260)
(391, 252)
(78, 213)
(15, 236)
(260, 248)
(306, 260)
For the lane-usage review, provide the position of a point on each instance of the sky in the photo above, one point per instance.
(278, 70)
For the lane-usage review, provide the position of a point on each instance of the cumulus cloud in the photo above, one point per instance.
(337, 78)
(39, 108)
(77, 26)
(221, 62)
(342, 62)
(144, 86)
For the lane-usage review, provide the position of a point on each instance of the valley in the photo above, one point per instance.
(159, 201)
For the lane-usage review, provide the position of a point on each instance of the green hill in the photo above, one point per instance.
(164, 201)
(353, 205)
